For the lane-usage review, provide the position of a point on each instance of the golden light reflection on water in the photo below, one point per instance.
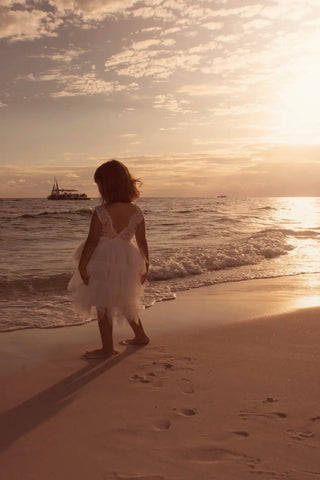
(303, 211)
(311, 283)
(303, 217)
(307, 302)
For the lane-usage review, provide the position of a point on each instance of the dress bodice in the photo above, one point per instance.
(108, 229)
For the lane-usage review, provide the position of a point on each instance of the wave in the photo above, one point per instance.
(249, 250)
(266, 208)
(31, 285)
(54, 214)
(169, 264)
(226, 219)
(310, 233)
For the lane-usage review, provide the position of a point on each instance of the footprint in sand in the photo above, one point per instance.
(270, 400)
(300, 435)
(241, 433)
(186, 386)
(163, 424)
(280, 414)
(150, 377)
(188, 359)
(187, 412)
(140, 378)
(315, 419)
(246, 415)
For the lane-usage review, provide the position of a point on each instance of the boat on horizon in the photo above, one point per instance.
(58, 193)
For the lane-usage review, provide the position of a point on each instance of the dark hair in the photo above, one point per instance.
(117, 184)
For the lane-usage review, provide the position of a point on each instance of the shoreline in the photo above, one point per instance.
(219, 304)
(300, 276)
(227, 388)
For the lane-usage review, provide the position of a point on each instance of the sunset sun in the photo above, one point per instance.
(299, 103)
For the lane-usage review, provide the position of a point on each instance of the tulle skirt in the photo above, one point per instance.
(114, 285)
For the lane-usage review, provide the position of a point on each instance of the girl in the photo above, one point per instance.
(112, 271)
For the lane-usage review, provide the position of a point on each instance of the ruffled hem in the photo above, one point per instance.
(114, 284)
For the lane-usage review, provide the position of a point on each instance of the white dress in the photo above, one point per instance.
(114, 270)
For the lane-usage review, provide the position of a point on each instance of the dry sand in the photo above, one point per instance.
(229, 388)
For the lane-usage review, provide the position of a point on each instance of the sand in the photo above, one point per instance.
(228, 388)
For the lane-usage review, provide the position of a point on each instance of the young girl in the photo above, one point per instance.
(112, 270)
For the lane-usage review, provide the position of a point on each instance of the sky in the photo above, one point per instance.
(205, 98)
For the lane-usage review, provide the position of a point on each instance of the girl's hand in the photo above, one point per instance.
(143, 278)
(84, 275)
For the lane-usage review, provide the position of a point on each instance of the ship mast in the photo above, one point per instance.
(55, 188)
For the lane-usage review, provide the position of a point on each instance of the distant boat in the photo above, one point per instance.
(63, 194)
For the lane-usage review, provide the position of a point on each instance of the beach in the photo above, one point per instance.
(228, 388)
(162, 156)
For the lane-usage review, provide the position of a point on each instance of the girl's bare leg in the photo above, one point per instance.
(140, 338)
(105, 329)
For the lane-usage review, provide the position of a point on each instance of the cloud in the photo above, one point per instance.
(213, 72)
(144, 44)
(72, 175)
(244, 11)
(262, 173)
(18, 25)
(10, 3)
(128, 135)
(88, 84)
(155, 11)
(62, 55)
(22, 20)
(151, 58)
(170, 31)
(213, 25)
(25, 181)
(91, 11)
(170, 103)
(71, 85)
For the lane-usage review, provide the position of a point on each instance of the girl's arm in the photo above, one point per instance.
(143, 246)
(89, 247)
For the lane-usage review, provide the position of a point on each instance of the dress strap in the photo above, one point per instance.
(138, 215)
(102, 214)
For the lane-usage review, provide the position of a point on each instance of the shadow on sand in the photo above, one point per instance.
(23, 418)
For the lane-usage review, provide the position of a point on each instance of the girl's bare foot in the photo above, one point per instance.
(137, 341)
(99, 353)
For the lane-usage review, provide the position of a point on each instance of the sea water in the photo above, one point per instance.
(193, 242)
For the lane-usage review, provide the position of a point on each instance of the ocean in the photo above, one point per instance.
(193, 242)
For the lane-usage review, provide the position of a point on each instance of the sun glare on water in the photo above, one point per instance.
(303, 212)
